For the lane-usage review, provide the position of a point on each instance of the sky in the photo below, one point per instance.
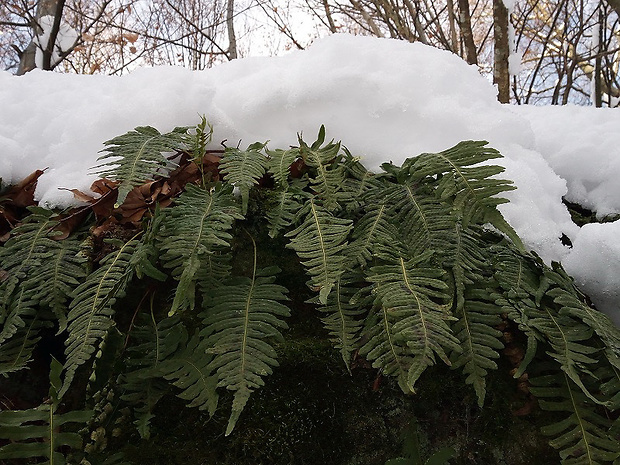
(386, 100)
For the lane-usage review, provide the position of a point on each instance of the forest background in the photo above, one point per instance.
(536, 52)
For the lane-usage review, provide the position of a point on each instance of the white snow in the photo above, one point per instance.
(385, 99)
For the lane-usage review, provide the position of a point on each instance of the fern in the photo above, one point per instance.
(42, 424)
(328, 173)
(372, 230)
(342, 320)
(243, 169)
(462, 176)
(29, 247)
(479, 339)
(153, 343)
(138, 155)
(91, 310)
(58, 277)
(279, 164)
(408, 290)
(424, 222)
(190, 370)
(320, 241)
(582, 436)
(241, 319)
(283, 206)
(16, 352)
(195, 229)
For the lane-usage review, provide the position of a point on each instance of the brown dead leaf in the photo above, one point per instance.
(22, 193)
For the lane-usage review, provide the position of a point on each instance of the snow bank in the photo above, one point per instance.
(385, 99)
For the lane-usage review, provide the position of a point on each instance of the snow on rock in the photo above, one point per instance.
(386, 100)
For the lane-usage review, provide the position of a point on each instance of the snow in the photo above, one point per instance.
(385, 99)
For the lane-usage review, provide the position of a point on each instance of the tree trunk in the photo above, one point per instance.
(27, 60)
(501, 76)
(232, 39)
(467, 34)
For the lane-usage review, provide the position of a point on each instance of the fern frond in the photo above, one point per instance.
(424, 222)
(58, 277)
(38, 432)
(479, 339)
(283, 205)
(567, 297)
(190, 371)
(328, 172)
(358, 183)
(320, 241)
(196, 228)
(409, 291)
(240, 320)
(16, 352)
(370, 233)
(152, 343)
(21, 308)
(243, 169)
(279, 164)
(138, 155)
(29, 247)
(472, 186)
(342, 320)
(581, 437)
(90, 314)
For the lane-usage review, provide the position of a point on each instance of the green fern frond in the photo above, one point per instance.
(243, 169)
(30, 246)
(320, 242)
(58, 277)
(409, 291)
(479, 339)
(138, 155)
(370, 232)
(38, 432)
(16, 352)
(195, 229)
(283, 205)
(581, 437)
(358, 183)
(190, 371)
(462, 176)
(328, 172)
(567, 297)
(152, 343)
(424, 222)
(279, 164)
(90, 314)
(343, 321)
(21, 308)
(240, 320)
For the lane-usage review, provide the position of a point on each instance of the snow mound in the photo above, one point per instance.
(386, 100)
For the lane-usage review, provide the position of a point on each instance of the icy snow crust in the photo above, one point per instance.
(386, 100)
